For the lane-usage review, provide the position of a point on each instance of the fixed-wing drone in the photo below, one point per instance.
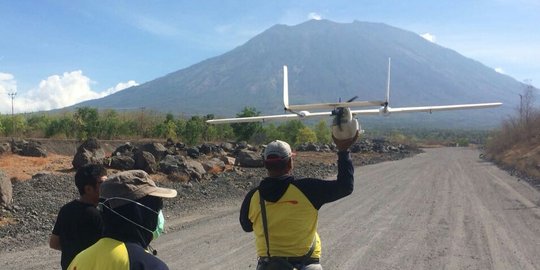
(342, 109)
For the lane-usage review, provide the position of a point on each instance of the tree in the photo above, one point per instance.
(15, 125)
(244, 131)
(86, 122)
(61, 128)
(2, 129)
(290, 130)
(180, 130)
(267, 134)
(36, 125)
(109, 125)
(194, 130)
(305, 134)
(166, 129)
(526, 109)
(324, 135)
(224, 132)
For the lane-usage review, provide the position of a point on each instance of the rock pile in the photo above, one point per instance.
(362, 146)
(24, 148)
(185, 164)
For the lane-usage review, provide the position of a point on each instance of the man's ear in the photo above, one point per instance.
(289, 164)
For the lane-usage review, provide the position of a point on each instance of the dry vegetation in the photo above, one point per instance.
(517, 144)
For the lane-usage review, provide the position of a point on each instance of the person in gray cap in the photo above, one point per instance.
(283, 211)
(132, 214)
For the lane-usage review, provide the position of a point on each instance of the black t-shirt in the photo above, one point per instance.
(79, 226)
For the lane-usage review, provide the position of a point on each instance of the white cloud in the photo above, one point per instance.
(5, 76)
(429, 37)
(7, 85)
(500, 70)
(121, 86)
(314, 16)
(57, 91)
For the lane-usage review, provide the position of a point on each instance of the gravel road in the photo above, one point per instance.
(442, 209)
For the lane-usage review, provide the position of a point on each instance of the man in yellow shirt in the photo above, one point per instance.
(292, 206)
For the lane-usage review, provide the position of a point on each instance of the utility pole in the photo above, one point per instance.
(12, 95)
(142, 121)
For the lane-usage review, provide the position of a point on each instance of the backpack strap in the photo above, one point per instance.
(265, 228)
(265, 223)
(311, 249)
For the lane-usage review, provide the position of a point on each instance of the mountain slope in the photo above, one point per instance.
(326, 60)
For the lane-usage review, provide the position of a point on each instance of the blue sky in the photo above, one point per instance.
(57, 53)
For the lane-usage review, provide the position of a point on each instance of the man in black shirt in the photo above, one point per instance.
(79, 223)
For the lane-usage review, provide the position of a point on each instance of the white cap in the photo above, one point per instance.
(279, 149)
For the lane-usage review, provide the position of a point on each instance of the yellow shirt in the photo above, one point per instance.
(292, 225)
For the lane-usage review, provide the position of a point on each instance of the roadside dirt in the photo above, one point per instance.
(19, 168)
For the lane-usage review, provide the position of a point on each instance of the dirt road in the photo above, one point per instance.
(443, 209)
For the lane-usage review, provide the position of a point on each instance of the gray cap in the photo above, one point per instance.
(278, 148)
(132, 185)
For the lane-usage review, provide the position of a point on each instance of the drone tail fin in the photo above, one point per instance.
(285, 88)
(387, 99)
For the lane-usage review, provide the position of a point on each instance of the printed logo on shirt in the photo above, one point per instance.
(289, 202)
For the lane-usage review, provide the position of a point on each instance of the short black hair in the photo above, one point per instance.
(89, 175)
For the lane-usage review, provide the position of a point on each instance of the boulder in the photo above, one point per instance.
(156, 149)
(171, 164)
(208, 148)
(194, 169)
(170, 142)
(247, 158)
(90, 144)
(310, 146)
(180, 145)
(28, 148)
(214, 166)
(122, 162)
(193, 152)
(228, 147)
(227, 160)
(325, 148)
(33, 149)
(89, 152)
(6, 191)
(145, 161)
(126, 149)
(5, 148)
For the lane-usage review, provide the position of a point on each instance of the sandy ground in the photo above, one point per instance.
(442, 209)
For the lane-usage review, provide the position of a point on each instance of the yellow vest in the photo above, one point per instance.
(292, 225)
(106, 254)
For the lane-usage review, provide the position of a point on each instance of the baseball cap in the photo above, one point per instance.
(279, 149)
(132, 185)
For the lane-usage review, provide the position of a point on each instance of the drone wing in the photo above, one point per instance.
(429, 109)
(266, 118)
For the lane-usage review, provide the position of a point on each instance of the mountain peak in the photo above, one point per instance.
(327, 60)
